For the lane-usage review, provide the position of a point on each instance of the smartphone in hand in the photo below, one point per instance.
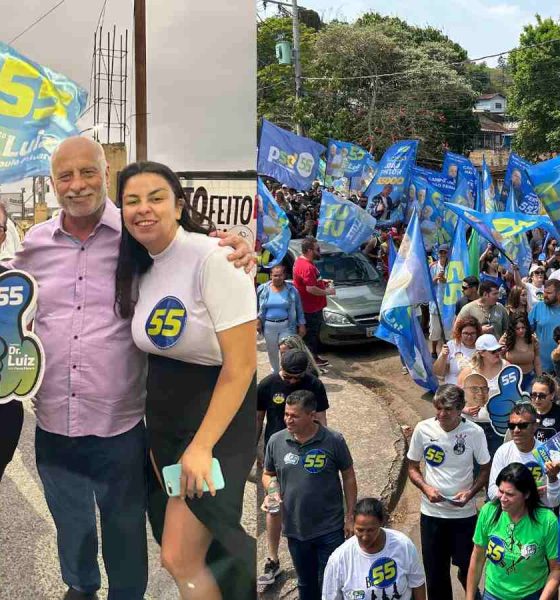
(172, 478)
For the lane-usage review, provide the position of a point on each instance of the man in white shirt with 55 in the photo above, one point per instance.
(449, 445)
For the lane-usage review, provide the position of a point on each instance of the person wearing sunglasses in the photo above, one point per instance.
(516, 539)
(523, 426)
(543, 392)
(470, 292)
(534, 285)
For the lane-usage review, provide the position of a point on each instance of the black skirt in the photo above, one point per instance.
(179, 394)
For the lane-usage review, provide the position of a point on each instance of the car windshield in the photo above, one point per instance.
(348, 269)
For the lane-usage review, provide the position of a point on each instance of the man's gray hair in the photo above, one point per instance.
(450, 396)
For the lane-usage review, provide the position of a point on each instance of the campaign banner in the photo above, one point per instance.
(516, 178)
(455, 271)
(38, 109)
(497, 227)
(455, 165)
(274, 227)
(548, 451)
(489, 203)
(509, 393)
(436, 229)
(343, 223)
(545, 177)
(349, 161)
(22, 358)
(289, 158)
(409, 285)
(392, 176)
(442, 183)
(227, 198)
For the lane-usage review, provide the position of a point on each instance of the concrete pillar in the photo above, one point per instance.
(116, 157)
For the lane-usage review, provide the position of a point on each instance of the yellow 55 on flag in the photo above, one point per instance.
(38, 109)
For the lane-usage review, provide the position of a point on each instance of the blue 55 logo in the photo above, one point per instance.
(495, 549)
(166, 322)
(383, 573)
(315, 460)
(434, 455)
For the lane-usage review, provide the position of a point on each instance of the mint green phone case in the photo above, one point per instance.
(172, 478)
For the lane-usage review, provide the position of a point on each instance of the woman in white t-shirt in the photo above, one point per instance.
(376, 562)
(534, 284)
(457, 352)
(195, 317)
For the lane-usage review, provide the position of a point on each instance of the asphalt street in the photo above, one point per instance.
(29, 568)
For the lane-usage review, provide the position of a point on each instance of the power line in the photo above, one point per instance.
(35, 22)
(412, 71)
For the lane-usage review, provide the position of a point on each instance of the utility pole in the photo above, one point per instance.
(297, 62)
(22, 203)
(140, 79)
(295, 50)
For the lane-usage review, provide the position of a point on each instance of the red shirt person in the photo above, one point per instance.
(313, 292)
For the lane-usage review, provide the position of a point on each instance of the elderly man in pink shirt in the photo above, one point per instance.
(90, 437)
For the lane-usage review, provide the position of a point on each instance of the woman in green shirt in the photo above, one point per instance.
(518, 539)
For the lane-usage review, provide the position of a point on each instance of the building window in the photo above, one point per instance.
(498, 105)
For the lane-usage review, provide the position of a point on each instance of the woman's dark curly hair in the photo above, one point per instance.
(510, 331)
(134, 259)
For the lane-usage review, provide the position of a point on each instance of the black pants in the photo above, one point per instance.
(445, 542)
(11, 422)
(313, 322)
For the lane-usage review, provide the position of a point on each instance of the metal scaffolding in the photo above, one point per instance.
(110, 75)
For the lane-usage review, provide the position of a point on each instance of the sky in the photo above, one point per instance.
(482, 27)
(201, 69)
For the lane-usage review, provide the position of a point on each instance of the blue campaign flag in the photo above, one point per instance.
(462, 197)
(434, 224)
(497, 227)
(517, 246)
(457, 165)
(456, 270)
(409, 284)
(443, 184)
(350, 161)
(343, 223)
(275, 229)
(488, 203)
(38, 109)
(517, 179)
(385, 191)
(545, 177)
(289, 158)
(392, 254)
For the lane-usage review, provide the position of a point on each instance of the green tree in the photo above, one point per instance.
(535, 92)
(275, 82)
(373, 82)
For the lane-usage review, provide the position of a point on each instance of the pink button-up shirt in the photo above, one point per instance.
(94, 381)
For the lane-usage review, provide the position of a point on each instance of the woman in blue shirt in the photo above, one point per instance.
(280, 312)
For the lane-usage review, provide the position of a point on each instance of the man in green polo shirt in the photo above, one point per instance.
(307, 459)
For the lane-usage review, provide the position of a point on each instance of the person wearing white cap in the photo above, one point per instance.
(534, 283)
(487, 362)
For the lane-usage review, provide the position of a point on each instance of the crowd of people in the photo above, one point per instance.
(488, 505)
